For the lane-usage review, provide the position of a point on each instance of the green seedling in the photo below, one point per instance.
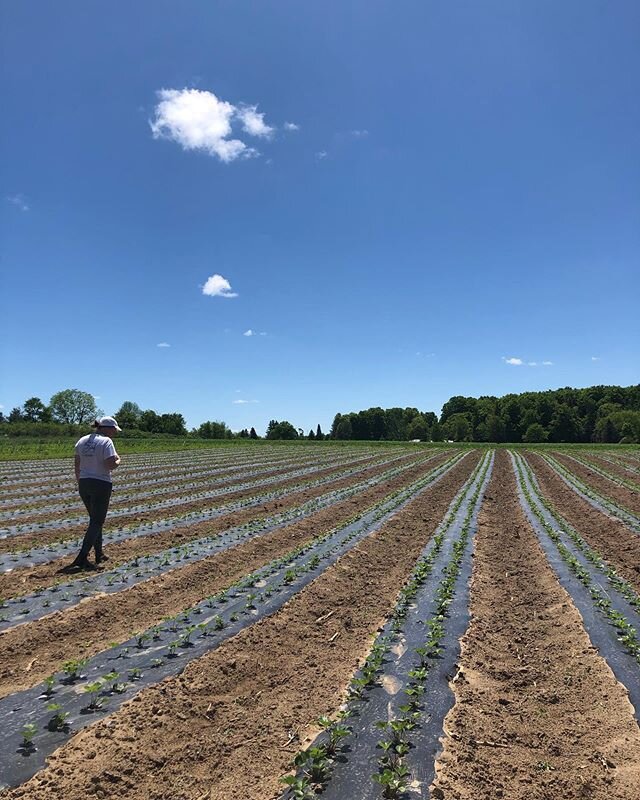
(142, 639)
(135, 674)
(92, 690)
(48, 683)
(218, 623)
(58, 721)
(112, 678)
(73, 667)
(393, 781)
(28, 732)
(300, 788)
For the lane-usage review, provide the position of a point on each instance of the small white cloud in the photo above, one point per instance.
(217, 286)
(547, 363)
(248, 333)
(359, 134)
(532, 363)
(321, 154)
(244, 402)
(263, 333)
(19, 201)
(595, 358)
(163, 344)
(291, 126)
(253, 122)
(515, 362)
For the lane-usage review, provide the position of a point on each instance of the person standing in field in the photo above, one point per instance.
(96, 457)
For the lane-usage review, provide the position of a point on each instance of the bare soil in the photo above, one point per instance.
(228, 726)
(27, 579)
(538, 715)
(40, 538)
(88, 628)
(614, 469)
(624, 497)
(610, 537)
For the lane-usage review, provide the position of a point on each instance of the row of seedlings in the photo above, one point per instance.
(172, 502)
(69, 701)
(596, 500)
(50, 552)
(66, 594)
(627, 483)
(385, 737)
(137, 489)
(30, 556)
(611, 615)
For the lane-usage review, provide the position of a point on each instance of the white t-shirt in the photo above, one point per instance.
(93, 449)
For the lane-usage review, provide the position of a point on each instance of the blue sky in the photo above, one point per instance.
(405, 199)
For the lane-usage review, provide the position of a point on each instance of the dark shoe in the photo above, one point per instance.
(102, 557)
(83, 564)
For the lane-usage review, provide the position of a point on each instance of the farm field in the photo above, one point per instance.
(351, 622)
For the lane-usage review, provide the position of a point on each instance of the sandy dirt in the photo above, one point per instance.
(614, 469)
(624, 497)
(610, 537)
(26, 579)
(228, 727)
(538, 714)
(88, 628)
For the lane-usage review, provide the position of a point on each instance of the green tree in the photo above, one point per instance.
(214, 430)
(437, 434)
(173, 424)
(418, 429)
(535, 433)
(319, 434)
(15, 415)
(129, 415)
(311, 435)
(281, 430)
(34, 410)
(150, 421)
(253, 434)
(344, 429)
(73, 406)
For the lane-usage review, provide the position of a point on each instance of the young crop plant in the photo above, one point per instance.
(300, 788)
(73, 668)
(96, 702)
(28, 733)
(49, 682)
(115, 687)
(58, 721)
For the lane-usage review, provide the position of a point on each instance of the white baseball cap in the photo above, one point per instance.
(107, 422)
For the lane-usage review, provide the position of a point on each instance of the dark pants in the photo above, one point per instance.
(95, 495)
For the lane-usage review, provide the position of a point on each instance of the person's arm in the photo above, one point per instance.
(77, 467)
(112, 462)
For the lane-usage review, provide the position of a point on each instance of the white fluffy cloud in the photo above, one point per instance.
(163, 344)
(217, 286)
(291, 126)
(515, 362)
(249, 333)
(595, 358)
(253, 122)
(199, 120)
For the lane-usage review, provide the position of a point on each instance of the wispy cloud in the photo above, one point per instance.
(163, 344)
(321, 154)
(19, 201)
(595, 358)
(217, 286)
(359, 134)
(244, 402)
(199, 120)
(251, 332)
(248, 333)
(291, 126)
(519, 362)
(253, 122)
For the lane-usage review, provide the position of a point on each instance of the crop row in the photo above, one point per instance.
(388, 727)
(84, 689)
(603, 504)
(63, 595)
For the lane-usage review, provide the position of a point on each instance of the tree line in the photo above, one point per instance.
(595, 414)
